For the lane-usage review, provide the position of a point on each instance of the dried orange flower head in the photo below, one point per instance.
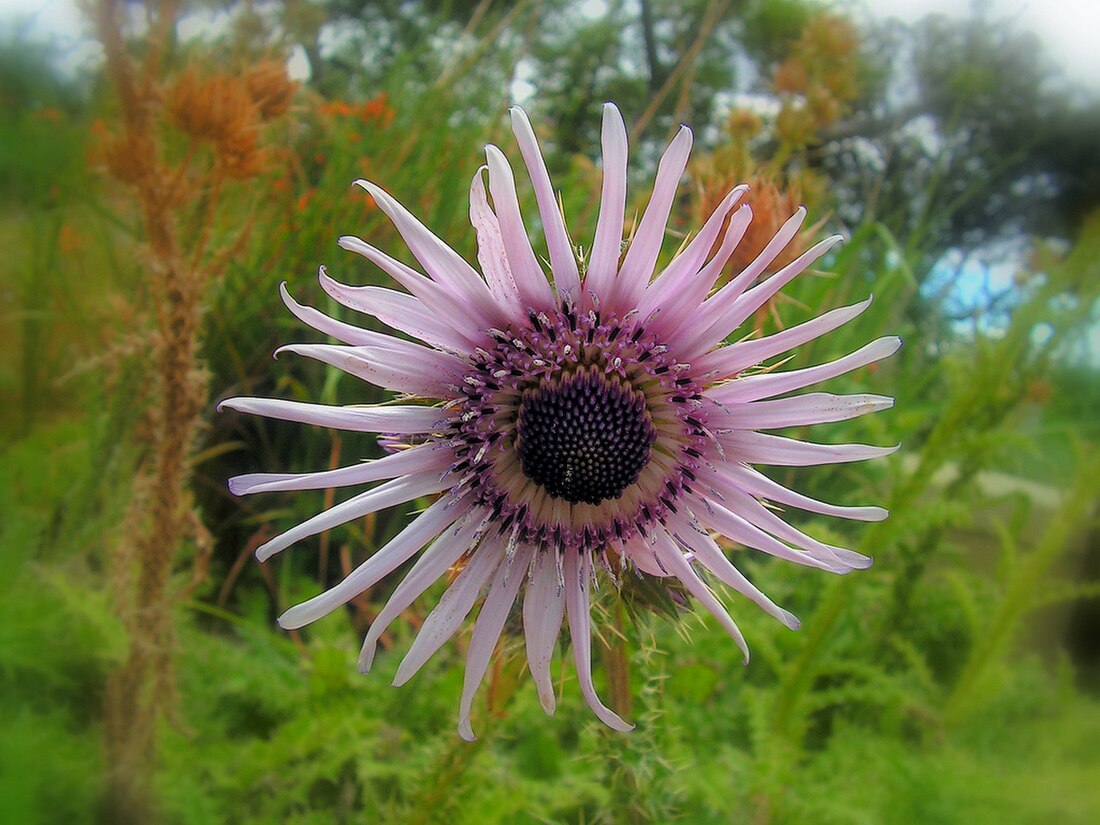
(213, 108)
(270, 88)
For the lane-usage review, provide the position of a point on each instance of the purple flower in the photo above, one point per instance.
(595, 418)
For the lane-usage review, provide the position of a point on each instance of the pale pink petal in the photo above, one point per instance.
(701, 317)
(427, 458)
(724, 318)
(641, 553)
(470, 317)
(710, 555)
(385, 495)
(735, 527)
(603, 264)
(763, 448)
(347, 333)
(444, 552)
(641, 257)
(543, 608)
(728, 361)
(578, 572)
(454, 605)
(761, 517)
(490, 622)
(760, 485)
(534, 289)
(563, 261)
(490, 248)
(407, 420)
(392, 555)
(678, 566)
(800, 410)
(683, 273)
(420, 371)
(399, 310)
(443, 264)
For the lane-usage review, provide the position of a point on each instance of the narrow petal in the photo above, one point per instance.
(562, 259)
(443, 264)
(385, 495)
(534, 289)
(362, 418)
(758, 484)
(399, 310)
(433, 563)
(490, 622)
(673, 559)
(728, 361)
(603, 264)
(578, 572)
(735, 527)
(641, 257)
(490, 248)
(453, 607)
(543, 608)
(396, 552)
(411, 369)
(761, 517)
(427, 458)
(801, 410)
(683, 273)
(347, 333)
(779, 451)
(720, 319)
(710, 555)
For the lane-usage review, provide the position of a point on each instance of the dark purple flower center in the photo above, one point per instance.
(584, 437)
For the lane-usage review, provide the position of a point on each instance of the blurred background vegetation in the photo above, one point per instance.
(155, 195)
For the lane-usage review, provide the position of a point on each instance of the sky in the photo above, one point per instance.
(1067, 27)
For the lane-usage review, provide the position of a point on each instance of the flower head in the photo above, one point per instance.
(592, 419)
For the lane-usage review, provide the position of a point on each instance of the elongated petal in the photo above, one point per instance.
(417, 371)
(433, 563)
(678, 566)
(443, 264)
(490, 621)
(728, 361)
(578, 572)
(407, 420)
(723, 319)
(710, 555)
(398, 310)
(396, 552)
(453, 607)
(758, 484)
(812, 408)
(733, 526)
(641, 257)
(543, 608)
(490, 248)
(603, 265)
(534, 289)
(683, 273)
(779, 451)
(385, 495)
(427, 458)
(756, 514)
(562, 259)
(347, 333)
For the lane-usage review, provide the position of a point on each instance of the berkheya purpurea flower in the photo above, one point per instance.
(590, 420)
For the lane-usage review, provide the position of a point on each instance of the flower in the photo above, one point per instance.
(591, 420)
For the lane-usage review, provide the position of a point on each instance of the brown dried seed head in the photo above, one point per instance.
(270, 88)
(210, 108)
(129, 157)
